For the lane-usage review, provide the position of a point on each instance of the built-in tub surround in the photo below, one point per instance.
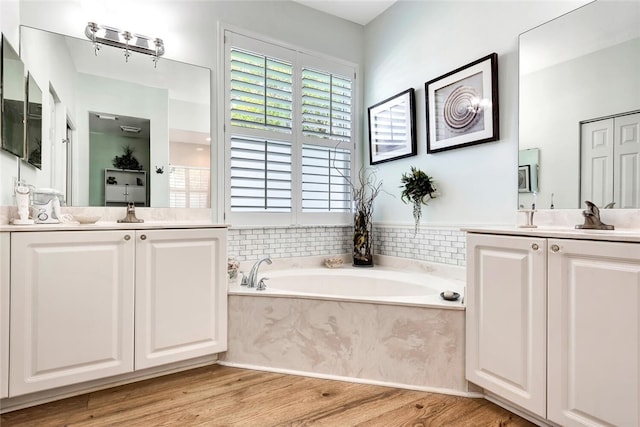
(416, 345)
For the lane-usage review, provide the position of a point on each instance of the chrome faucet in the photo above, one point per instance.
(592, 218)
(131, 214)
(253, 275)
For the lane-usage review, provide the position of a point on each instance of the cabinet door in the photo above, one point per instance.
(506, 318)
(71, 308)
(181, 295)
(4, 314)
(594, 328)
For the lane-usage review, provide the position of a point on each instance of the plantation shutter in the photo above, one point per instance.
(326, 105)
(260, 175)
(261, 92)
(177, 187)
(189, 187)
(325, 174)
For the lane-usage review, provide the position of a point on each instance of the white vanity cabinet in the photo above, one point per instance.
(553, 326)
(72, 301)
(506, 318)
(4, 314)
(91, 304)
(594, 329)
(180, 312)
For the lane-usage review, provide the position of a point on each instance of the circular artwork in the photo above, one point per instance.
(459, 113)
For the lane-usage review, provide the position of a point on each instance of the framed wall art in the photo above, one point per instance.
(462, 106)
(392, 129)
(524, 179)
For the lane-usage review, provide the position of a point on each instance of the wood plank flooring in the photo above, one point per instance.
(223, 396)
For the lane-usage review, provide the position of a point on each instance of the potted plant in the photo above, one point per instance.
(127, 160)
(364, 192)
(417, 189)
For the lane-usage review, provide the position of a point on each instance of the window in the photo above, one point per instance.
(288, 134)
(189, 187)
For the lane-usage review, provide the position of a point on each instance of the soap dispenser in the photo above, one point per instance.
(23, 193)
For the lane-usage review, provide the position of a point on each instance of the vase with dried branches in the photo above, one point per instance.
(364, 192)
(417, 189)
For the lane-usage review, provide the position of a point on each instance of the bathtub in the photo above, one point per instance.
(376, 325)
(380, 285)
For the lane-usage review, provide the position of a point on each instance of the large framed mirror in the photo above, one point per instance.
(98, 102)
(12, 97)
(579, 69)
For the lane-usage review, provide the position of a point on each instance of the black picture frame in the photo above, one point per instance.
(392, 128)
(462, 106)
(524, 179)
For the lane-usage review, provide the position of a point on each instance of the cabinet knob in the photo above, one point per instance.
(143, 237)
(127, 237)
(555, 248)
(535, 246)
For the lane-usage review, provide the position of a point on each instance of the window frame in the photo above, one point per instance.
(299, 59)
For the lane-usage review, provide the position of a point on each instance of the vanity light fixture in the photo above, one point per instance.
(106, 117)
(130, 42)
(130, 129)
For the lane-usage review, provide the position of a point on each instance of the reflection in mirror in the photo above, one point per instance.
(174, 98)
(34, 123)
(118, 160)
(576, 69)
(13, 95)
(528, 170)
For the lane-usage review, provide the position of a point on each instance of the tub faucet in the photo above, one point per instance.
(253, 275)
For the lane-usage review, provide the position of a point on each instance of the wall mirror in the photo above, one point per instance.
(97, 102)
(34, 123)
(577, 69)
(13, 98)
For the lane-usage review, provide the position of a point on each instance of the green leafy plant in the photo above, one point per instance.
(127, 161)
(417, 189)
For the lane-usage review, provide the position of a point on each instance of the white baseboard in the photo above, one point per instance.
(438, 390)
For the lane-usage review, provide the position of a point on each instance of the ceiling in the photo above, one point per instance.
(359, 11)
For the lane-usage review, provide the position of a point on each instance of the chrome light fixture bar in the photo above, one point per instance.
(130, 42)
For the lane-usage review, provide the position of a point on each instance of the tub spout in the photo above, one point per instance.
(253, 275)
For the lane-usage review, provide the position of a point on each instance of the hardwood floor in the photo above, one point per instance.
(223, 396)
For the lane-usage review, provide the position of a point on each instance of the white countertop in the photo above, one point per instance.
(619, 235)
(112, 225)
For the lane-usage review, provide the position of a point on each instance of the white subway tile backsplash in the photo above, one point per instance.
(447, 246)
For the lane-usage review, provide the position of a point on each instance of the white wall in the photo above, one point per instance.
(189, 116)
(414, 42)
